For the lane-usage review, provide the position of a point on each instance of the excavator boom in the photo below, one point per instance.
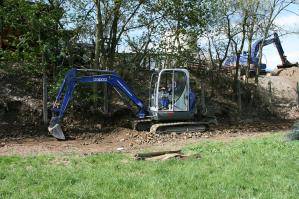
(67, 88)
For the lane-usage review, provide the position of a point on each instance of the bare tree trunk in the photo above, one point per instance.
(98, 62)
(45, 93)
(44, 79)
(239, 95)
(238, 69)
(238, 74)
(106, 99)
(45, 99)
(269, 23)
(113, 36)
(1, 29)
(249, 56)
(202, 99)
(237, 81)
(99, 36)
(257, 67)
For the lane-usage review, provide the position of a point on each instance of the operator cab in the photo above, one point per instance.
(170, 95)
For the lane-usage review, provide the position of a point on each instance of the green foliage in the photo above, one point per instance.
(31, 31)
(252, 168)
(188, 14)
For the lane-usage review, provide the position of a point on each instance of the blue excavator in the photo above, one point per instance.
(231, 61)
(172, 103)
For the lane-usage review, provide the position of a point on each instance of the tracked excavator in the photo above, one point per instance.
(172, 103)
(272, 39)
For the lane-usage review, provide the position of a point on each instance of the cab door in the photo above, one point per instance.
(180, 91)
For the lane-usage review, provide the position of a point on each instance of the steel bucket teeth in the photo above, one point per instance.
(57, 132)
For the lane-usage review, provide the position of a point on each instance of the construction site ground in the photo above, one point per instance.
(130, 141)
(22, 133)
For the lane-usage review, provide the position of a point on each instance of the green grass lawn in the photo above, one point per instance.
(265, 167)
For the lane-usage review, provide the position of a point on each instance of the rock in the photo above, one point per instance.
(95, 141)
(98, 126)
(120, 149)
(2, 144)
(173, 135)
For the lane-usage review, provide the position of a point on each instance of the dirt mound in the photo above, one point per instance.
(280, 92)
(286, 80)
(283, 88)
(291, 73)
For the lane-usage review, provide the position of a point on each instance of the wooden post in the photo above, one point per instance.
(270, 92)
(106, 98)
(203, 99)
(45, 84)
(106, 102)
(1, 30)
(45, 97)
(239, 94)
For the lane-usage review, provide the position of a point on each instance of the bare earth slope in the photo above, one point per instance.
(284, 91)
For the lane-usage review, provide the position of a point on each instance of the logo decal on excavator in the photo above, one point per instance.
(100, 79)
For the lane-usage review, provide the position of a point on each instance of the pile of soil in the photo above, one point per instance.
(284, 96)
(292, 73)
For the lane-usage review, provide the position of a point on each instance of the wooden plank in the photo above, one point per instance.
(141, 156)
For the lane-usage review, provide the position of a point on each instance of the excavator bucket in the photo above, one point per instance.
(55, 129)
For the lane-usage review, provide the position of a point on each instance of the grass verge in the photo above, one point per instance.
(265, 167)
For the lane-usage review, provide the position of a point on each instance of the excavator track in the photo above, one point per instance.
(142, 125)
(179, 127)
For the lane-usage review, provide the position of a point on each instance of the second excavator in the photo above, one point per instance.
(255, 48)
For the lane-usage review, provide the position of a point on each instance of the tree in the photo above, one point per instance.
(179, 26)
(219, 32)
(32, 32)
(114, 18)
(252, 28)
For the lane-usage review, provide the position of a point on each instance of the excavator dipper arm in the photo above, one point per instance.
(256, 47)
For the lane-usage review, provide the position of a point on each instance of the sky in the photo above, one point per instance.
(290, 42)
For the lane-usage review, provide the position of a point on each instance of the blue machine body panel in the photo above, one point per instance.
(192, 101)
